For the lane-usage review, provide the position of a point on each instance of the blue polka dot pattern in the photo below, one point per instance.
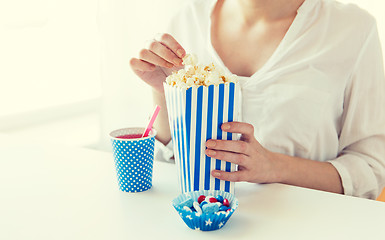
(133, 161)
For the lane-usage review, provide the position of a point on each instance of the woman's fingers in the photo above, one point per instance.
(151, 57)
(228, 145)
(165, 53)
(158, 60)
(170, 42)
(141, 65)
(236, 158)
(246, 129)
(237, 176)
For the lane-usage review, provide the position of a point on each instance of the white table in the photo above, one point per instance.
(58, 192)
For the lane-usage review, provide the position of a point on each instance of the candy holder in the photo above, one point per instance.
(205, 221)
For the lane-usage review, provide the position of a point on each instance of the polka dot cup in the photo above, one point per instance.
(133, 159)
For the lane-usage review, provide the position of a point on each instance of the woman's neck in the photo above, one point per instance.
(253, 11)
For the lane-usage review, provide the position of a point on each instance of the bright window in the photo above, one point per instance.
(50, 54)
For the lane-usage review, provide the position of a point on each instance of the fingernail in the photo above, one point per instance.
(180, 52)
(225, 126)
(177, 61)
(211, 152)
(169, 65)
(216, 174)
(210, 144)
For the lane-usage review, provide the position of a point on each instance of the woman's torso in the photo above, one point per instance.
(294, 94)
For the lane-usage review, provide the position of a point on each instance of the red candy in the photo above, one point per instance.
(201, 198)
(226, 202)
(213, 200)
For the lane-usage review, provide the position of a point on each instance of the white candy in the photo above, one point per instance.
(197, 208)
(207, 198)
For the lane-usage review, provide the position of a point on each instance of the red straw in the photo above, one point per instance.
(151, 122)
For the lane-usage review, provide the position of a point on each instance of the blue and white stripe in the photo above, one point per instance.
(195, 115)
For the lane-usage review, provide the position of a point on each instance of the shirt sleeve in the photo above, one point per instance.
(163, 153)
(361, 162)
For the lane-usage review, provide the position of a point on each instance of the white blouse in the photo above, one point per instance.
(320, 96)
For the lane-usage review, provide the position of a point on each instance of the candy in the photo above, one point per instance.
(207, 204)
(207, 199)
(226, 202)
(223, 208)
(210, 208)
(197, 207)
(219, 198)
(201, 198)
(202, 203)
(213, 200)
(188, 202)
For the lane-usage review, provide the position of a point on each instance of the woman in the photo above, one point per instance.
(312, 84)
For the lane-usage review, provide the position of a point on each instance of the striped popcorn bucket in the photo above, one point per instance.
(196, 115)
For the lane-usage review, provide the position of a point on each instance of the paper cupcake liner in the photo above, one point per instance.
(205, 221)
(196, 115)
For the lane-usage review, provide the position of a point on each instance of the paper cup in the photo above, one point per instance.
(205, 221)
(133, 159)
(196, 115)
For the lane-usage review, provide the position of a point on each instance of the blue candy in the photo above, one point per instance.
(223, 208)
(188, 202)
(219, 198)
(203, 203)
(210, 208)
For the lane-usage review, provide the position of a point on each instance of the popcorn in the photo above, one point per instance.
(195, 74)
(190, 59)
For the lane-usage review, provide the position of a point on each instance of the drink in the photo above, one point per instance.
(134, 157)
(130, 136)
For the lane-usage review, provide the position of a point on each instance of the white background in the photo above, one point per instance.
(64, 65)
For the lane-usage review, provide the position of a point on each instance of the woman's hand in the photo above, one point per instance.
(255, 163)
(158, 61)
(258, 165)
